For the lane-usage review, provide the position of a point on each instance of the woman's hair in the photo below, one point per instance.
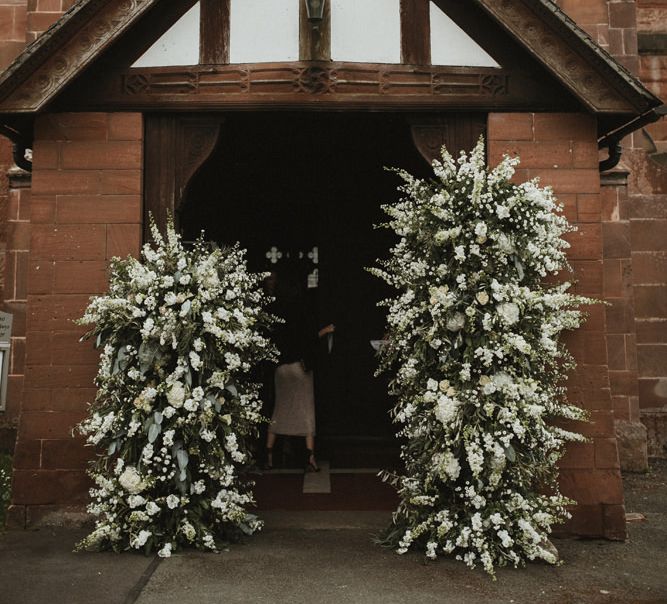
(290, 280)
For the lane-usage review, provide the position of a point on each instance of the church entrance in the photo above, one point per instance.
(309, 188)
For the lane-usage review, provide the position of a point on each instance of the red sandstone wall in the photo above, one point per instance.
(648, 203)
(13, 18)
(13, 228)
(561, 149)
(42, 14)
(611, 23)
(85, 208)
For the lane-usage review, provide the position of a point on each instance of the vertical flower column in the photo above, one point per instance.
(176, 407)
(478, 369)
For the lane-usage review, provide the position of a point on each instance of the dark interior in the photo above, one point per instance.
(295, 182)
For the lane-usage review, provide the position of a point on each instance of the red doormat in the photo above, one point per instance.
(362, 492)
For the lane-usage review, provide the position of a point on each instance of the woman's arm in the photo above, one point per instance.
(326, 330)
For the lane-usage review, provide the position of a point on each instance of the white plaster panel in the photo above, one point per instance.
(450, 45)
(264, 31)
(366, 31)
(178, 46)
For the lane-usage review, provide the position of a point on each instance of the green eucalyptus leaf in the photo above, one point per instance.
(153, 432)
(182, 457)
(510, 453)
(157, 417)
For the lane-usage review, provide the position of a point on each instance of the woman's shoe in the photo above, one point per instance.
(311, 464)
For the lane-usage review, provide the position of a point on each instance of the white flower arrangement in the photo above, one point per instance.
(176, 408)
(478, 372)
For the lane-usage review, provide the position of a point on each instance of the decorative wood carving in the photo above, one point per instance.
(61, 58)
(576, 72)
(315, 79)
(456, 132)
(176, 147)
(76, 53)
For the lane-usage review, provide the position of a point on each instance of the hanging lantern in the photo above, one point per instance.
(315, 10)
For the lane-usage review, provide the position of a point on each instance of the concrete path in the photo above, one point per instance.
(329, 557)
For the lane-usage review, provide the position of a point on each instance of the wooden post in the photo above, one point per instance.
(314, 39)
(214, 32)
(415, 32)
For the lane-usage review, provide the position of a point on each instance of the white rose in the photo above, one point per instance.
(176, 395)
(131, 481)
(508, 312)
(165, 552)
(456, 322)
(482, 298)
(172, 502)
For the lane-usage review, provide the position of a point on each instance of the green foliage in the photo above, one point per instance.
(5, 486)
(476, 364)
(176, 408)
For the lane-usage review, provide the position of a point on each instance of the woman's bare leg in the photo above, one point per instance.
(270, 441)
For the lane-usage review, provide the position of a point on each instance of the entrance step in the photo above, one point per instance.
(318, 482)
(315, 520)
(327, 490)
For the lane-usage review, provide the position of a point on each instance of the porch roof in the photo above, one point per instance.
(86, 31)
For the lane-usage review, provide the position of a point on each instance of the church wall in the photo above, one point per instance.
(42, 14)
(13, 17)
(647, 163)
(85, 209)
(561, 149)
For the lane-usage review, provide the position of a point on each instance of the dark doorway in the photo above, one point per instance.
(311, 186)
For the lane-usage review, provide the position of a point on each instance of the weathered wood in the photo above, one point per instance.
(457, 132)
(314, 39)
(214, 32)
(176, 147)
(415, 32)
(320, 85)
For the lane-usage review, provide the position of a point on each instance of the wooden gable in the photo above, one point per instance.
(546, 63)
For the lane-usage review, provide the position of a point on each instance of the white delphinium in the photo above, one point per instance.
(176, 408)
(472, 346)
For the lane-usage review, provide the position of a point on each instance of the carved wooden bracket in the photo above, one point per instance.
(456, 132)
(176, 148)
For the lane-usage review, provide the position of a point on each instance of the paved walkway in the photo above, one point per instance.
(323, 557)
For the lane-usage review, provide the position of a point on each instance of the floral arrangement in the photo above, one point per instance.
(176, 405)
(478, 370)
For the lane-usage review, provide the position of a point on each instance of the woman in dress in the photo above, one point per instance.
(296, 340)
